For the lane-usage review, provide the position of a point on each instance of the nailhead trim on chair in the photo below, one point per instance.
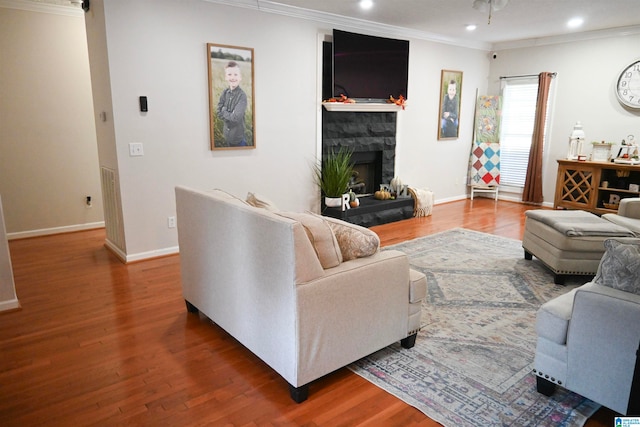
(546, 377)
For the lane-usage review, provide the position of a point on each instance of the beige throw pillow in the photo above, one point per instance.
(321, 236)
(355, 241)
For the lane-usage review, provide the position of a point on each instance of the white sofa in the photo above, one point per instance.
(588, 338)
(256, 274)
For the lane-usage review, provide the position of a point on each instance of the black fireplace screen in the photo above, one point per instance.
(367, 175)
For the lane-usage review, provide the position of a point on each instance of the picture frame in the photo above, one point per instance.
(449, 111)
(231, 96)
(601, 152)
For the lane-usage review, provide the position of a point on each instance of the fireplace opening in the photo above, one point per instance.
(367, 175)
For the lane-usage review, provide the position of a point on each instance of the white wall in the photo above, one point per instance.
(423, 160)
(587, 75)
(49, 159)
(158, 49)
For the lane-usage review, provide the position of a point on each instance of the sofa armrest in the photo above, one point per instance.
(355, 309)
(630, 207)
(602, 342)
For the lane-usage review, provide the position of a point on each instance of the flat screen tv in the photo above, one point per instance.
(369, 68)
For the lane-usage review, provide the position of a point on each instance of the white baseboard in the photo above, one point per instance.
(9, 305)
(152, 254)
(116, 250)
(54, 230)
(142, 256)
(449, 199)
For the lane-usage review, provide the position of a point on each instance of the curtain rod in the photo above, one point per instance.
(524, 76)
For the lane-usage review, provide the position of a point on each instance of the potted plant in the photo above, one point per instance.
(334, 175)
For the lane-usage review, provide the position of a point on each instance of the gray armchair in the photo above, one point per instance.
(588, 339)
(628, 215)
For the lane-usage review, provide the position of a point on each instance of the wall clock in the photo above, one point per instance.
(628, 86)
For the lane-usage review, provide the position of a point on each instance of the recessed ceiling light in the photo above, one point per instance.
(366, 4)
(471, 27)
(575, 22)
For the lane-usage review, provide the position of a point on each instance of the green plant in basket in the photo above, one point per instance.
(336, 172)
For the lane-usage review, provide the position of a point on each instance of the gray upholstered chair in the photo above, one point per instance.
(588, 339)
(628, 215)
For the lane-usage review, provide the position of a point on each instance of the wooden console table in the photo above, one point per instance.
(592, 186)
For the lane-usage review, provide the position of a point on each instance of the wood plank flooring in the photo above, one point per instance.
(97, 342)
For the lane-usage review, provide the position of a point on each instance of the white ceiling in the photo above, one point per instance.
(445, 20)
(520, 19)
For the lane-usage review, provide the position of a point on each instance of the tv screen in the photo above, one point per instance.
(369, 67)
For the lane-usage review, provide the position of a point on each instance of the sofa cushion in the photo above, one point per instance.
(321, 236)
(620, 265)
(261, 202)
(632, 224)
(577, 223)
(354, 240)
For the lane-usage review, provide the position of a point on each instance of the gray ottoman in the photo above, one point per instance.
(568, 242)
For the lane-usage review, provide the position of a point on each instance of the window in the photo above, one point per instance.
(519, 98)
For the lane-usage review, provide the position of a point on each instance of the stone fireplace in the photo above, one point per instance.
(372, 139)
(371, 136)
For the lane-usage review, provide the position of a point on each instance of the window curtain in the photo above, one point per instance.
(532, 191)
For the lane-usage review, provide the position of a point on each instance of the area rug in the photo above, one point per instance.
(472, 362)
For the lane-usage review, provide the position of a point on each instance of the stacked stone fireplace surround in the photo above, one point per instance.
(371, 136)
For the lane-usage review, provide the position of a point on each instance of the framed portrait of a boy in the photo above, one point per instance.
(231, 93)
(449, 113)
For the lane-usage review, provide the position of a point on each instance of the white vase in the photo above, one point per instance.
(333, 202)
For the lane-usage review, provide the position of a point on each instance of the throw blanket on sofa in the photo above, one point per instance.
(578, 223)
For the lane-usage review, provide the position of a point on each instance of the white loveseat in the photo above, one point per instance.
(256, 274)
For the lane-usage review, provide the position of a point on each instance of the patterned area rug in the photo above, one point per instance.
(472, 362)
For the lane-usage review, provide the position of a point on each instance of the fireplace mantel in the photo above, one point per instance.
(362, 107)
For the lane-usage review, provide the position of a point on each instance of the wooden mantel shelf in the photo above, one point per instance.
(362, 106)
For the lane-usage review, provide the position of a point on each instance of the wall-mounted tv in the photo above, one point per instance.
(369, 68)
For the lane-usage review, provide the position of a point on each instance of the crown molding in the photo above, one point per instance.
(339, 21)
(389, 30)
(36, 6)
(569, 38)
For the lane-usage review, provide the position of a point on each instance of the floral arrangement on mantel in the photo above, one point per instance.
(342, 98)
(400, 101)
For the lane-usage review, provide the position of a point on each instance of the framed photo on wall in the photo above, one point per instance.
(231, 97)
(450, 93)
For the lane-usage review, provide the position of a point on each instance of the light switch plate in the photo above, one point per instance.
(135, 149)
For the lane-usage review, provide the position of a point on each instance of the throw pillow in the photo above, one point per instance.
(354, 241)
(620, 266)
(261, 202)
(321, 236)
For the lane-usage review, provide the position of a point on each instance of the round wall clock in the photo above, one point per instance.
(628, 87)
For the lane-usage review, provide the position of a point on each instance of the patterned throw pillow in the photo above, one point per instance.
(620, 265)
(354, 241)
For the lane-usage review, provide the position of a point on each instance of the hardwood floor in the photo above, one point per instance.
(98, 342)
